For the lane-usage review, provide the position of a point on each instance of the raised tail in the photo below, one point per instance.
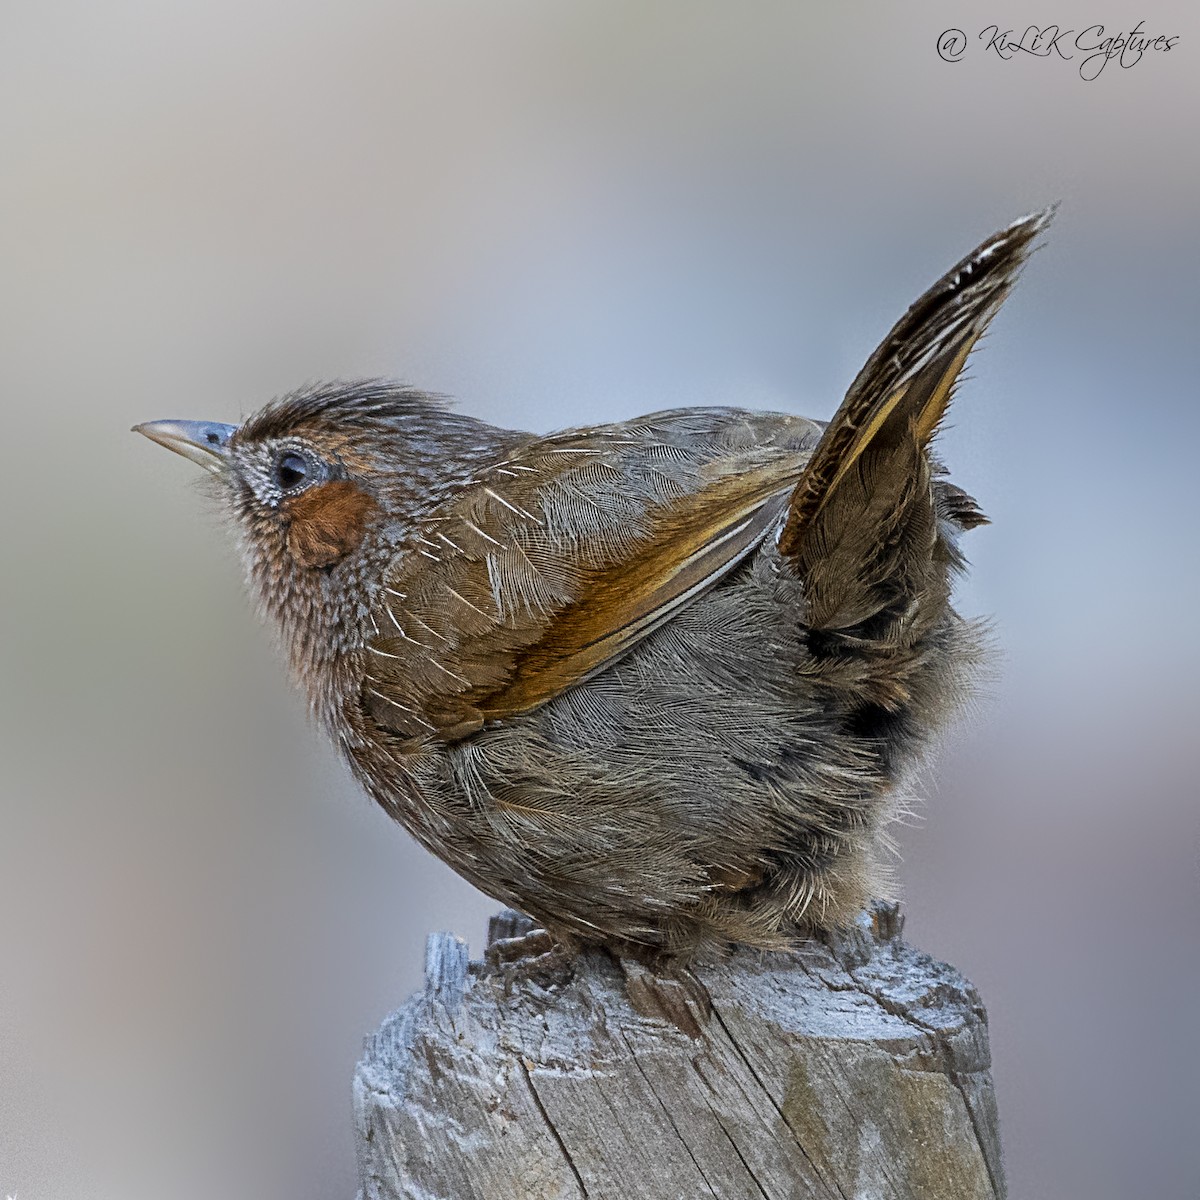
(870, 525)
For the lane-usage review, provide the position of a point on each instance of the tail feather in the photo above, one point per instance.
(865, 552)
(866, 524)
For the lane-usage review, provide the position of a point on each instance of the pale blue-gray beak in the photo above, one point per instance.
(204, 442)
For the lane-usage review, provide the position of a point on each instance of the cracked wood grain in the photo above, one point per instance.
(854, 1069)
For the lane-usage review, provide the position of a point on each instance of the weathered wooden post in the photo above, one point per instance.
(856, 1069)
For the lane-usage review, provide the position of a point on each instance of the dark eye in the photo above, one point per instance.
(292, 470)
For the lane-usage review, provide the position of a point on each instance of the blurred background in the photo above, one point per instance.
(565, 213)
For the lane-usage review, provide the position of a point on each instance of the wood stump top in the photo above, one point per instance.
(851, 1068)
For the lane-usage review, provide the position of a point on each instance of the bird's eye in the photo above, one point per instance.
(292, 471)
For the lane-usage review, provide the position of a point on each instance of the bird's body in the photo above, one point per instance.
(655, 683)
(650, 802)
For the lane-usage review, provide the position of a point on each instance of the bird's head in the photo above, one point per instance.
(325, 486)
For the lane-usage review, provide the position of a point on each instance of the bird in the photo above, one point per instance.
(659, 684)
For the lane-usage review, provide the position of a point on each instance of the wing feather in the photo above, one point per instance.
(566, 555)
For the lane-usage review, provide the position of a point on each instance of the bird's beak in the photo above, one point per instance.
(204, 442)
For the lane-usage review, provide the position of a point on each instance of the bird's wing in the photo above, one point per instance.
(561, 558)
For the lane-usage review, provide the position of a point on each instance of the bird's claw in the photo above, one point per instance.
(676, 996)
(535, 957)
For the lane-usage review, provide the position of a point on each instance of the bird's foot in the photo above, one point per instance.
(534, 956)
(672, 994)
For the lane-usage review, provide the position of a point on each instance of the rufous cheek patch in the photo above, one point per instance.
(327, 522)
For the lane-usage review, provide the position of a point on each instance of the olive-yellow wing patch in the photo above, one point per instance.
(619, 606)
